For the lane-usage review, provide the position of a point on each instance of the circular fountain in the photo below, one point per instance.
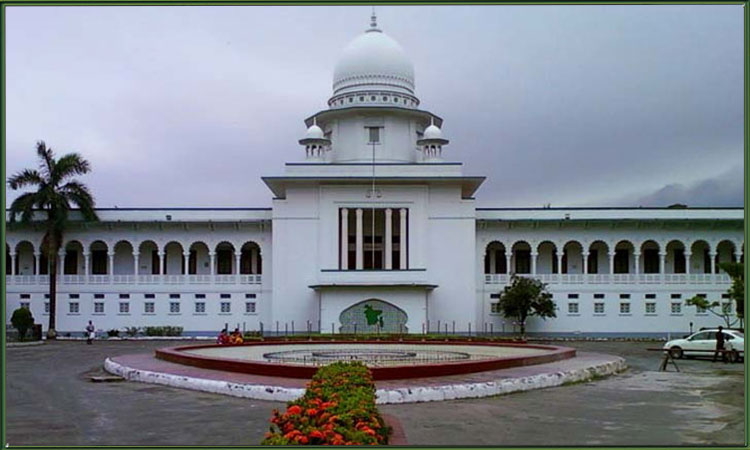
(388, 360)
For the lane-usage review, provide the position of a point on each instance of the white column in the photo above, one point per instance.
(162, 262)
(237, 256)
(687, 263)
(13, 263)
(493, 263)
(559, 262)
(637, 258)
(344, 239)
(87, 263)
(360, 243)
(402, 239)
(136, 260)
(186, 258)
(388, 239)
(37, 263)
(611, 262)
(111, 264)
(212, 257)
(254, 260)
(712, 255)
(585, 265)
(533, 262)
(662, 262)
(507, 262)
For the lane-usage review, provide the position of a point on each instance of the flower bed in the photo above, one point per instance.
(338, 408)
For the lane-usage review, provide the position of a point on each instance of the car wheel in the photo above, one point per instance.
(734, 356)
(675, 352)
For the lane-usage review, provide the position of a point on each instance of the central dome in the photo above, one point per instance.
(374, 64)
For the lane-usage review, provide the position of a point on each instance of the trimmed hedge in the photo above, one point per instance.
(162, 331)
(338, 408)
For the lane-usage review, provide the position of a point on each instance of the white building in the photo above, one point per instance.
(376, 215)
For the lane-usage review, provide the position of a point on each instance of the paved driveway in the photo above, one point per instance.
(51, 402)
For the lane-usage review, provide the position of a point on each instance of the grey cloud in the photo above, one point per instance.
(726, 189)
(569, 105)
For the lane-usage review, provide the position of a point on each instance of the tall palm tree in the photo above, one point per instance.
(55, 192)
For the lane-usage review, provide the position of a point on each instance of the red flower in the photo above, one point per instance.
(316, 434)
(292, 434)
(301, 439)
(294, 410)
(312, 412)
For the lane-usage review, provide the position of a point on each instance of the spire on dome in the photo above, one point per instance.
(373, 21)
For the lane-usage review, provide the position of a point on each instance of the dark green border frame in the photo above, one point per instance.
(4, 3)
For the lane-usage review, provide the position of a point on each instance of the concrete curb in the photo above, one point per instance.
(384, 396)
(24, 344)
(498, 387)
(256, 391)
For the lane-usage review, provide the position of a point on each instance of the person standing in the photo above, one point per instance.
(90, 333)
(720, 345)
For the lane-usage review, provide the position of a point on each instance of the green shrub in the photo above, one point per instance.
(338, 408)
(113, 332)
(132, 331)
(162, 331)
(22, 320)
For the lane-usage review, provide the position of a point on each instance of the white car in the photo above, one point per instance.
(704, 342)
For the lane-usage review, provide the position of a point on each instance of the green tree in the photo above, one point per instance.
(737, 291)
(714, 307)
(50, 203)
(22, 320)
(525, 297)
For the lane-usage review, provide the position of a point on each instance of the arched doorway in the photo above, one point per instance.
(372, 316)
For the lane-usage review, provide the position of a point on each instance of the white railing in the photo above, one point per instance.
(617, 278)
(200, 279)
(99, 279)
(651, 278)
(225, 279)
(496, 278)
(121, 279)
(250, 279)
(675, 278)
(73, 279)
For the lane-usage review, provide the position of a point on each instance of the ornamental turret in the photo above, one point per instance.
(315, 142)
(432, 143)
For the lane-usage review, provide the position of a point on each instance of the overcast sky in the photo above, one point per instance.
(568, 105)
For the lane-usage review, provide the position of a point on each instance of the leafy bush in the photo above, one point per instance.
(22, 320)
(338, 408)
(132, 331)
(162, 331)
(252, 335)
(113, 332)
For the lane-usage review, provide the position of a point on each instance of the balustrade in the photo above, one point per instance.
(617, 278)
(31, 280)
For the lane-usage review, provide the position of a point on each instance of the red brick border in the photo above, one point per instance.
(179, 356)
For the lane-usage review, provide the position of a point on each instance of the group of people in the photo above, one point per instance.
(225, 338)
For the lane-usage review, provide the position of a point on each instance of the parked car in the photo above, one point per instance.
(704, 341)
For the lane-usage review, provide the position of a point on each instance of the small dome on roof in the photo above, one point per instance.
(433, 132)
(314, 132)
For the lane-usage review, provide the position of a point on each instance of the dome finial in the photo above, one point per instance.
(373, 21)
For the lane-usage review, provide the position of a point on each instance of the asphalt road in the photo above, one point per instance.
(50, 401)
